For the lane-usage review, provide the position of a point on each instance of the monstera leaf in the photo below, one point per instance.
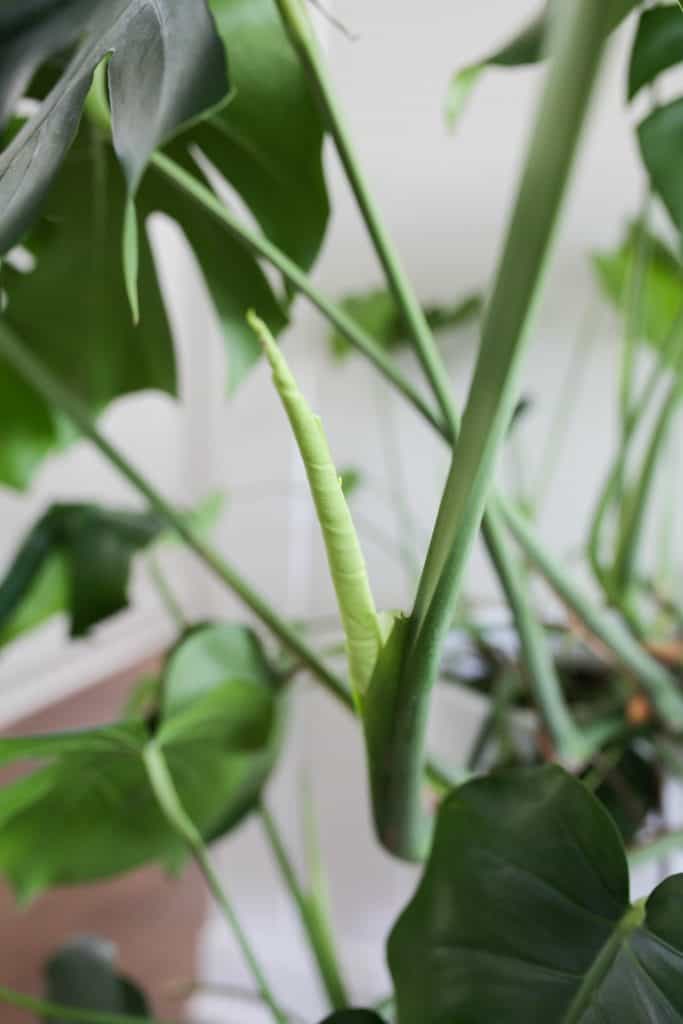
(523, 914)
(92, 802)
(70, 305)
(524, 48)
(75, 556)
(83, 976)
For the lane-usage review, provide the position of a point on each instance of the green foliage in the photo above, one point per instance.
(661, 144)
(353, 1017)
(71, 306)
(523, 914)
(377, 313)
(76, 557)
(92, 802)
(658, 46)
(657, 317)
(526, 47)
(83, 976)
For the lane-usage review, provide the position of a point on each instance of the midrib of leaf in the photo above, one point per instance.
(629, 923)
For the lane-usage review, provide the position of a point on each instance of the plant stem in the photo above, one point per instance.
(294, 275)
(300, 31)
(313, 919)
(671, 842)
(165, 592)
(579, 36)
(37, 374)
(169, 802)
(653, 677)
(52, 1011)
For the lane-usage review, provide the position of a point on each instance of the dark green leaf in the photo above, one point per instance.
(167, 65)
(524, 48)
(351, 480)
(523, 915)
(656, 320)
(353, 1017)
(661, 144)
(377, 313)
(79, 554)
(92, 803)
(83, 976)
(72, 312)
(658, 46)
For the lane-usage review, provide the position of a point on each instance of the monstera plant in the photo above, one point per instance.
(113, 110)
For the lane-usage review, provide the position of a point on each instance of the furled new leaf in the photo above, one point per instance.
(523, 914)
(658, 318)
(524, 48)
(362, 626)
(658, 46)
(83, 976)
(78, 557)
(376, 312)
(92, 803)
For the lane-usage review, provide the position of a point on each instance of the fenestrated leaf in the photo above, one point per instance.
(83, 976)
(658, 46)
(523, 914)
(92, 803)
(71, 309)
(660, 290)
(166, 66)
(376, 312)
(661, 145)
(524, 48)
(79, 555)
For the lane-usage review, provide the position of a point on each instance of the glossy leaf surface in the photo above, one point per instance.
(523, 914)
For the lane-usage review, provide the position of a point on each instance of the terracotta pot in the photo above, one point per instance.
(154, 921)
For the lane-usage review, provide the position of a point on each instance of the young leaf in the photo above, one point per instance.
(523, 914)
(661, 290)
(347, 566)
(376, 312)
(658, 46)
(93, 804)
(83, 976)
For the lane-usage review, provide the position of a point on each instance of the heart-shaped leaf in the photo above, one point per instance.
(92, 803)
(78, 556)
(523, 914)
(658, 45)
(83, 976)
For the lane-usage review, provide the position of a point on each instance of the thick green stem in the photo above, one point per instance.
(169, 802)
(313, 919)
(578, 40)
(296, 22)
(41, 378)
(52, 1011)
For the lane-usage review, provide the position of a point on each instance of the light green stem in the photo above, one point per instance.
(41, 378)
(169, 802)
(632, 919)
(580, 31)
(315, 923)
(296, 22)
